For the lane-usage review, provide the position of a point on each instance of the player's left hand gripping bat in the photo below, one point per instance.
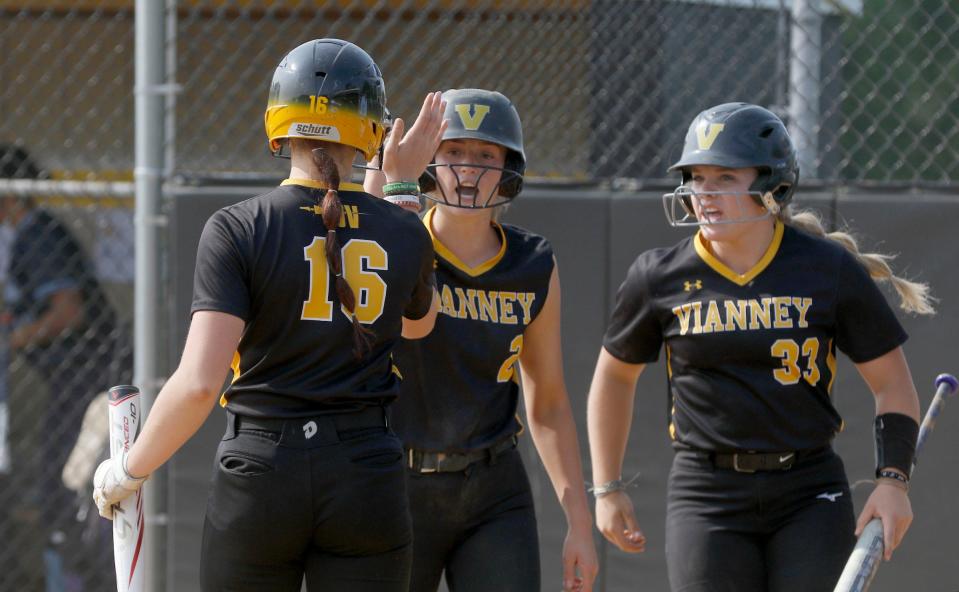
(867, 555)
(125, 416)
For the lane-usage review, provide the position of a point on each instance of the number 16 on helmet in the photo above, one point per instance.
(330, 90)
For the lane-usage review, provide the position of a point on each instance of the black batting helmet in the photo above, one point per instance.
(741, 135)
(331, 90)
(477, 114)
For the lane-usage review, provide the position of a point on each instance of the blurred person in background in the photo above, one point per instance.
(57, 319)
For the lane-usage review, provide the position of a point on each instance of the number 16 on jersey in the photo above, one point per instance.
(125, 412)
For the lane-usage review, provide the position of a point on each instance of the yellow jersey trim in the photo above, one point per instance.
(313, 184)
(672, 422)
(672, 410)
(831, 364)
(445, 253)
(719, 267)
(235, 367)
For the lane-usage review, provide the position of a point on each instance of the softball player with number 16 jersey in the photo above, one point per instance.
(752, 310)
(311, 285)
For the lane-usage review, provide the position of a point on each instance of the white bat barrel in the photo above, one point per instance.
(864, 560)
(125, 417)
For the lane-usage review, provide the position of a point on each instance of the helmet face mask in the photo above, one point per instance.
(493, 199)
(680, 211)
(736, 136)
(487, 116)
(329, 90)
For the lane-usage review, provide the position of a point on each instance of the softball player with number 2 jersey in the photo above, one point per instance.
(752, 310)
(473, 515)
(311, 284)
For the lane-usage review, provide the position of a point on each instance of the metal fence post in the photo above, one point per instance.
(804, 74)
(150, 32)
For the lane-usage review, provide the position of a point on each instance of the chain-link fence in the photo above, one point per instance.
(66, 277)
(605, 88)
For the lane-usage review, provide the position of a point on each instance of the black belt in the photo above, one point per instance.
(310, 431)
(751, 462)
(368, 417)
(423, 461)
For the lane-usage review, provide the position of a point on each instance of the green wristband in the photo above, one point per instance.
(401, 188)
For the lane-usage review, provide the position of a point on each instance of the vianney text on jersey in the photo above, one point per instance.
(264, 261)
(751, 358)
(460, 383)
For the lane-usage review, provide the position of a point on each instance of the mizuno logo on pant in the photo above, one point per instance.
(829, 496)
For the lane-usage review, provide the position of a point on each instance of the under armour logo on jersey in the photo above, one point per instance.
(706, 134)
(472, 121)
(829, 496)
(694, 285)
(309, 429)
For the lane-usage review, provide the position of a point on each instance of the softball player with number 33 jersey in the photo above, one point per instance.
(752, 310)
(311, 285)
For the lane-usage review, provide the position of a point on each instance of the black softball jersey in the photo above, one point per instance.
(264, 261)
(460, 383)
(751, 359)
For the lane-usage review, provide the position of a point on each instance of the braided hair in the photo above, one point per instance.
(332, 210)
(914, 297)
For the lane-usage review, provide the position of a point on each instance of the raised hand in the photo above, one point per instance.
(406, 154)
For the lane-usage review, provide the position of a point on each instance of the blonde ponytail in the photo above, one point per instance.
(914, 297)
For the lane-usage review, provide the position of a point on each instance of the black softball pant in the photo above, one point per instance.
(307, 500)
(780, 531)
(478, 525)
